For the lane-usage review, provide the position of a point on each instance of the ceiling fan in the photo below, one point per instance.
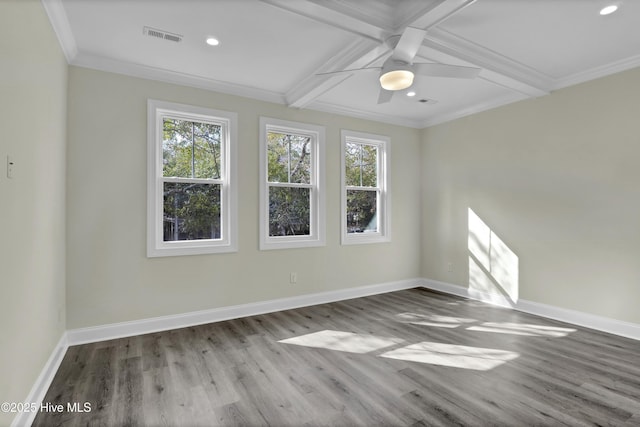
(398, 71)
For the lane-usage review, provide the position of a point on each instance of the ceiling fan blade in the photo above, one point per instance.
(349, 71)
(385, 96)
(444, 70)
(408, 45)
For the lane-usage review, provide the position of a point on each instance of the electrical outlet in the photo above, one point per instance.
(450, 267)
(293, 278)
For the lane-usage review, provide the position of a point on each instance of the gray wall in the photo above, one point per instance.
(109, 278)
(557, 181)
(33, 90)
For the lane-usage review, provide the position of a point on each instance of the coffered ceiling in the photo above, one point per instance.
(276, 50)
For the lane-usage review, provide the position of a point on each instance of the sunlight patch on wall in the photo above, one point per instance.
(456, 356)
(493, 266)
(343, 341)
(433, 320)
(522, 329)
(483, 287)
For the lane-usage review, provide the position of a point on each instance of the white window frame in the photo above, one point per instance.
(316, 185)
(383, 209)
(156, 246)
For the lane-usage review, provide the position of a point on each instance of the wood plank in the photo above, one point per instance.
(240, 373)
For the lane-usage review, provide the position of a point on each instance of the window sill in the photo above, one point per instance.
(182, 249)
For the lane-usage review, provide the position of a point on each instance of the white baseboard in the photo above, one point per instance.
(144, 326)
(599, 323)
(157, 324)
(445, 287)
(44, 380)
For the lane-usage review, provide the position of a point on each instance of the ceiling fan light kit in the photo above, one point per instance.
(399, 70)
(396, 76)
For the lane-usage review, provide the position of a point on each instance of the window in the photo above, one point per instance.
(191, 180)
(365, 192)
(292, 184)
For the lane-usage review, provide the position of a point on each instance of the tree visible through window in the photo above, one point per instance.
(365, 215)
(289, 169)
(191, 153)
(192, 196)
(292, 199)
(361, 173)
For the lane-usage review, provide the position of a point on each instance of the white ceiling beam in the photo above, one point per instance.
(438, 14)
(331, 17)
(359, 54)
(496, 68)
(365, 50)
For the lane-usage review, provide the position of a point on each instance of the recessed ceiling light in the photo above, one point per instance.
(412, 93)
(212, 41)
(608, 10)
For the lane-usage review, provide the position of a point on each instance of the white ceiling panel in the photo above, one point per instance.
(256, 40)
(556, 37)
(275, 49)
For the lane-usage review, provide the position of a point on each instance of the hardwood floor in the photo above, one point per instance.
(407, 358)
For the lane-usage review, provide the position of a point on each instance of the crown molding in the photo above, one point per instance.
(184, 79)
(597, 72)
(60, 23)
(472, 109)
(520, 80)
(328, 107)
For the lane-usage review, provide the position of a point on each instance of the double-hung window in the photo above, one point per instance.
(291, 184)
(191, 201)
(365, 188)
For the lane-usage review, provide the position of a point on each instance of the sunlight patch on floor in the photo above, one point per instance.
(433, 320)
(456, 356)
(343, 341)
(522, 329)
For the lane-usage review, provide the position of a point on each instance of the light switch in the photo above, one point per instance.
(9, 167)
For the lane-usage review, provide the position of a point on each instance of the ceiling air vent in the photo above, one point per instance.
(428, 101)
(161, 34)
